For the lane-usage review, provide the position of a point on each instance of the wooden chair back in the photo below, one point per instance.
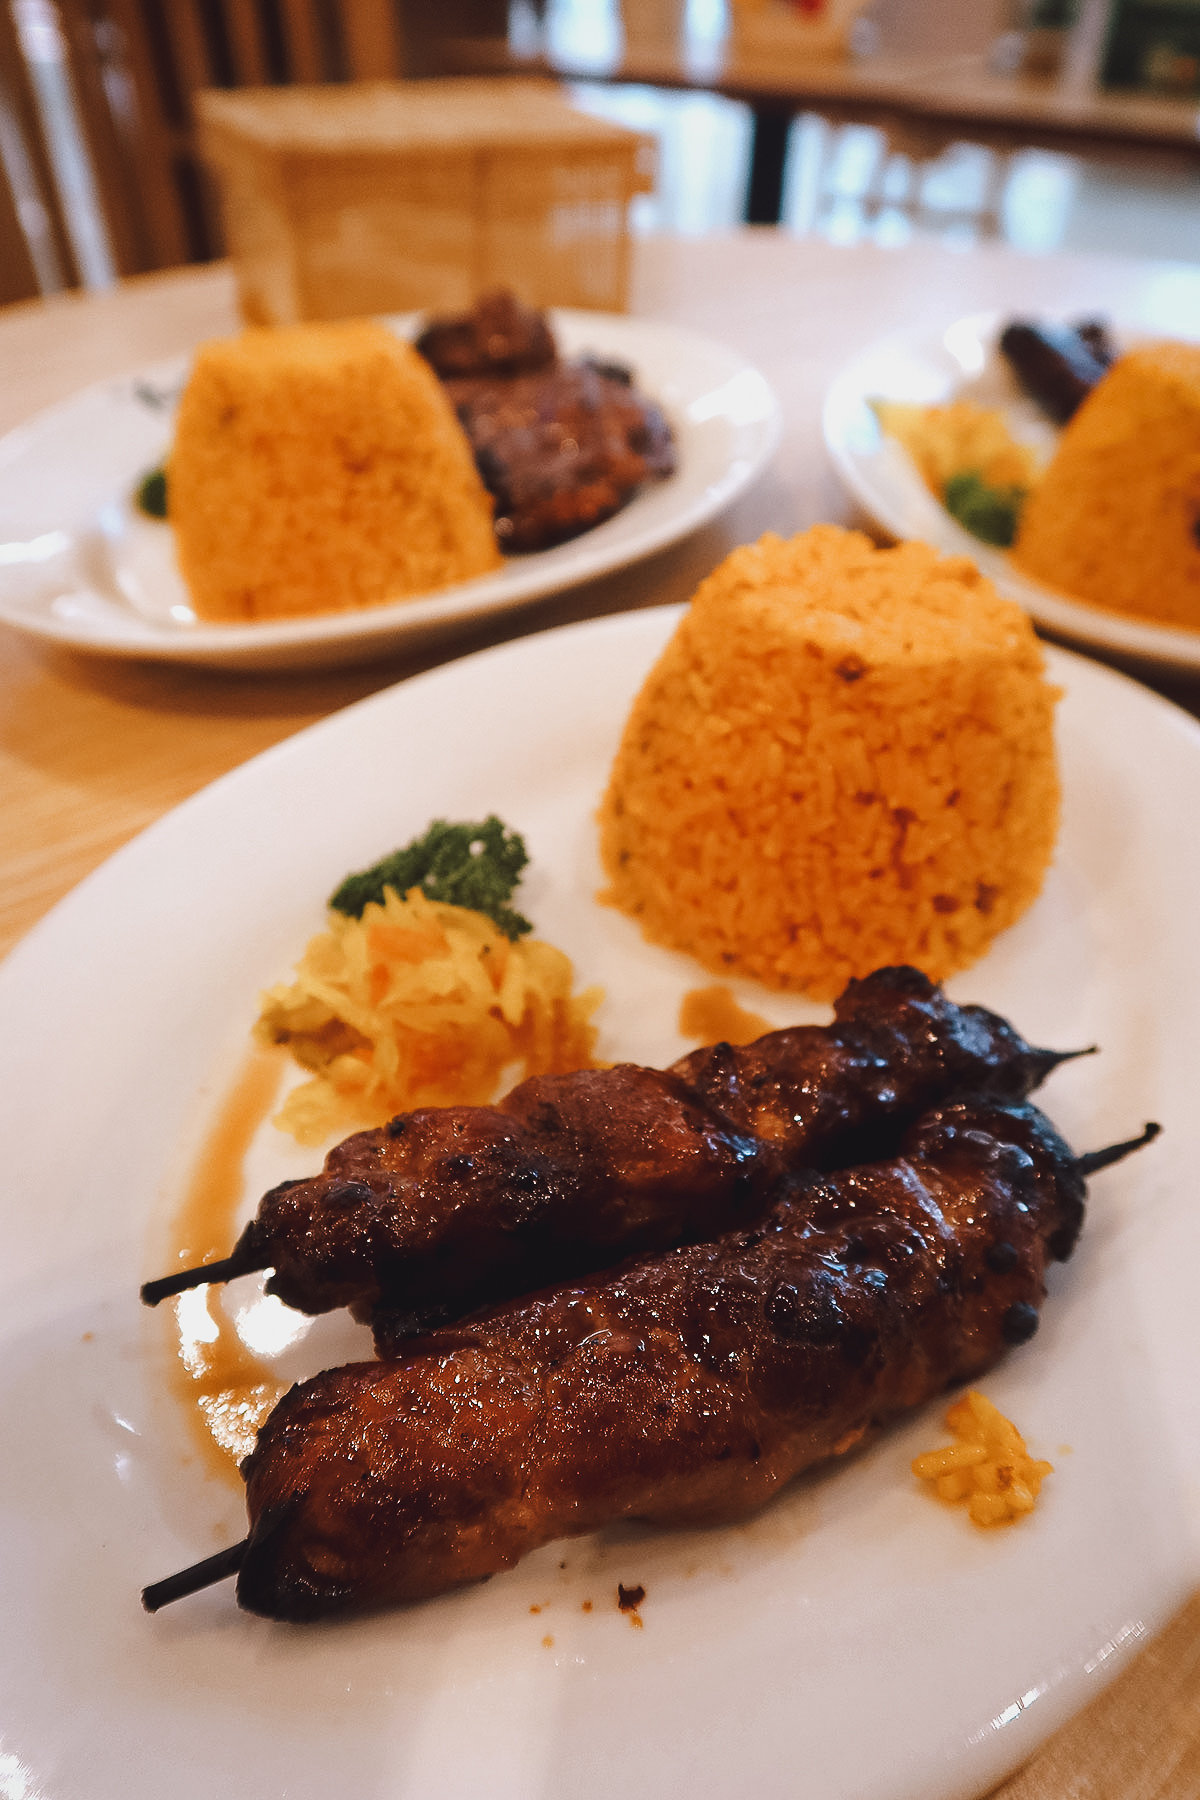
(137, 65)
(35, 254)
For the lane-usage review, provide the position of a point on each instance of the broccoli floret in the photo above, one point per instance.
(463, 865)
(989, 513)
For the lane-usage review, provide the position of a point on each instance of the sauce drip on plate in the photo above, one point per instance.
(225, 1387)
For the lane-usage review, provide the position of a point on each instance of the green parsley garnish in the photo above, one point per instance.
(988, 513)
(477, 866)
(151, 495)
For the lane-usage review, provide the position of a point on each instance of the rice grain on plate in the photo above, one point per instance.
(318, 469)
(844, 758)
(1116, 516)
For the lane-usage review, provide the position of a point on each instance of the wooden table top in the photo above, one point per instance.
(943, 96)
(92, 750)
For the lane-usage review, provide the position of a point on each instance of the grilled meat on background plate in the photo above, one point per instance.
(561, 446)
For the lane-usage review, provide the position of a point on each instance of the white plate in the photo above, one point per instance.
(884, 480)
(81, 566)
(857, 1639)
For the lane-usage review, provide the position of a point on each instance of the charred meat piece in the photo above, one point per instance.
(447, 1208)
(683, 1389)
(499, 336)
(560, 450)
(841, 1093)
(560, 446)
(444, 1210)
(1058, 365)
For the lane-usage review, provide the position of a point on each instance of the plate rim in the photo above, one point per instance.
(366, 632)
(647, 621)
(1145, 641)
(344, 718)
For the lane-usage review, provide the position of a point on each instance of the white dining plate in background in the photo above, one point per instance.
(81, 566)
(856, 1640)
(930, 370)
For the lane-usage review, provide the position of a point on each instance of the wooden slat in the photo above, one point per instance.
(456, 37)
(18, 280)
(371, 31)
(132, 104)
(307, 63)
(245, 41)
(193, 64)
(107, 108)
(15, 87)
(195, 67)
(153, 140)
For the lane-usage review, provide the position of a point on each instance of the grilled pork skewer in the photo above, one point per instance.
(446, 1209)
(683, 1389)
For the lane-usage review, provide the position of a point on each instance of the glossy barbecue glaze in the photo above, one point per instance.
(560, 446)
(499, 336)
(562, 449)
(445, 1209)
(682, 1389)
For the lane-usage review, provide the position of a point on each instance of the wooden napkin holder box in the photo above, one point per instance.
(380, 197)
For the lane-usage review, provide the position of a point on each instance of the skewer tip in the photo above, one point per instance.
(200, 1575)
(224, 1270)
(1095, 1160)
(1049, 1060)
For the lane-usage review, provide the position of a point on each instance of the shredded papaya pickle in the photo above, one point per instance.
(425, 988)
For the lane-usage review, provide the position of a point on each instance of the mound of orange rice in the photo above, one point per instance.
(843, 759)
(1116, 516)
(318, 469)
